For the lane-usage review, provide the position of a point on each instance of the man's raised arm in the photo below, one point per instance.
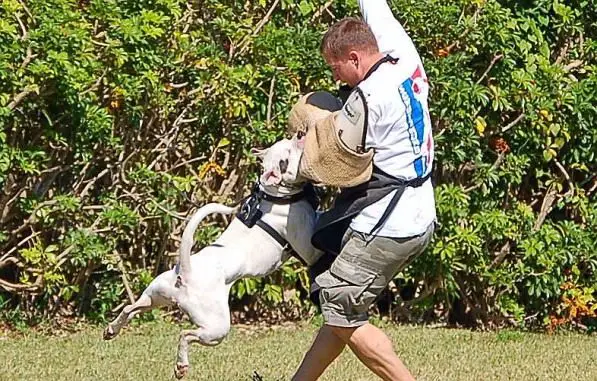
(391, 37)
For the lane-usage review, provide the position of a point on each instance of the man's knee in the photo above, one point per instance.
(344, 333)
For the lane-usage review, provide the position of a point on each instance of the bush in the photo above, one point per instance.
(117, 118)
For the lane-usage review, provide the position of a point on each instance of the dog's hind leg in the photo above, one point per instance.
(187, 337)
(160, 292)
(214, 326)
(143, 304)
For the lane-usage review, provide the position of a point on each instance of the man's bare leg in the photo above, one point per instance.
(374, 349)
(325, 348)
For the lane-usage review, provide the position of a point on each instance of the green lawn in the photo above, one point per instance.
(148, 352)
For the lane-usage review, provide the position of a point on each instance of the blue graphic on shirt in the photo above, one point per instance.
(415, 118)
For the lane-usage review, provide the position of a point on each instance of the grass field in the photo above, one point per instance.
(147, 353)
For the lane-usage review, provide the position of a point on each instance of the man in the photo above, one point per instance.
(379, 223)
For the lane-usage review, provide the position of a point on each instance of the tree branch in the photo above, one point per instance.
(244, 45)
(496, 164)
(269, 101)
(32, 217)
(491, 64)
(548, 201)
(8, 261)
(514, 122)
(12, 287)
(28, 58)
(321, 10)
(157, 204)
(92, 182)
(125, 280)
(428, 291)
(593, 187)
(466, 31)
(567, 177)
(62, 257)
(95, 86)
(24, 31)
(21, 243)
(573, 65)
(19, 98)
(6, 206)
(27, 11)
(187, 162)
(501, 255)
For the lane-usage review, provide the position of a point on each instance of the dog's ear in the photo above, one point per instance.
(259, 153)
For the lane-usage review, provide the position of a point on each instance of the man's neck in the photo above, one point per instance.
(367, 63)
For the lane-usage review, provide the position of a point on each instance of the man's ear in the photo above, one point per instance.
(259, 153)
(353, 56)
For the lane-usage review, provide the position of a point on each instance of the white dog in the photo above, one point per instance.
(201, 283)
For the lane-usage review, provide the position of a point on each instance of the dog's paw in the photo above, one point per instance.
(180, 370)
(109, 333)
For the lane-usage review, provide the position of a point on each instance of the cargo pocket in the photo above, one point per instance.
(357, 294)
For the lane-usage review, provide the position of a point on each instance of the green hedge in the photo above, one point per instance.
(118, 118)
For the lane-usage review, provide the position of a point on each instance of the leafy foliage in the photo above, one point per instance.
(117, 118)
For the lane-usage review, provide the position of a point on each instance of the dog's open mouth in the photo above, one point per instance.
(270, 177)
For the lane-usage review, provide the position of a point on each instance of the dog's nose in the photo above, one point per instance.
(283, 166)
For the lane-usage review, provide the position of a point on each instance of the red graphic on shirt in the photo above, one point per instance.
(418, 80)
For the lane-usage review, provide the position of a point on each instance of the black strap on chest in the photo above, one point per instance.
(360, 95)
(344, 91)
(272, 232)
(250, 215)
(376, 65)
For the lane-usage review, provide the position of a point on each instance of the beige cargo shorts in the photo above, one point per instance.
(360, 273)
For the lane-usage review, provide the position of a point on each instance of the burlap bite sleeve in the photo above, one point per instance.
(311, 108)
(326, 160)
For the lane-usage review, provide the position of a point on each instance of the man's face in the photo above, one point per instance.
(345, 69)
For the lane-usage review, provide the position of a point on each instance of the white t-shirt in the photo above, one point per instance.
(399, 127)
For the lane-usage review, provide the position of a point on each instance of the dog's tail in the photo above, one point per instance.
(189, 232)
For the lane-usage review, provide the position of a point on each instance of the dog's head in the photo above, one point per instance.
(281, 161)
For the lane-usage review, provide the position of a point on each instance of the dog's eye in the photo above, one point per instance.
(283, 165)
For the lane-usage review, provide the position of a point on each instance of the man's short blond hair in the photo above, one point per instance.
(348, 34)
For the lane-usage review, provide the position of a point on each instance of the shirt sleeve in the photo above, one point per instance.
(391, 37)
(374, 111)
